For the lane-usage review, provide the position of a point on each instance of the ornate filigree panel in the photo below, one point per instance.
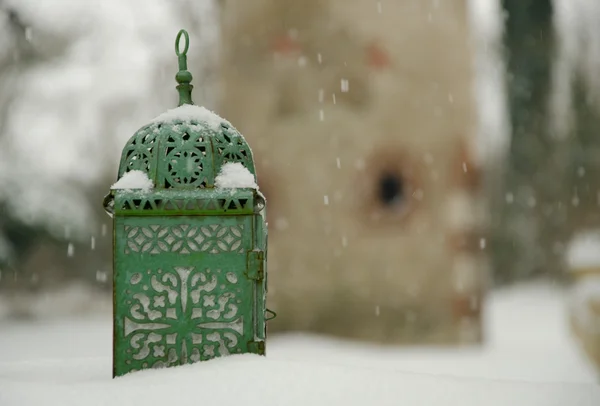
(139, 151)
(175, 315)
(183, 238)
(230, 146)
(188, 157)
(183, 155)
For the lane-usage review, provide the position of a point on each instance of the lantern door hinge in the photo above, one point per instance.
(256, 347)
(255, 265)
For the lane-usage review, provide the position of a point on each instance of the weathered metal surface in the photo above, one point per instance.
(189, 259)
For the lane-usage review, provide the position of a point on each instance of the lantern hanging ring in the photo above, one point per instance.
(178, 43)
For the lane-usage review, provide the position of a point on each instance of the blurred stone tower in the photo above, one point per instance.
(362, 118)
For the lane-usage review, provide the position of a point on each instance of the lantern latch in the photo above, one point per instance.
(272, 313)
(255, 265)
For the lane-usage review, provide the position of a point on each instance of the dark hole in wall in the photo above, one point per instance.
(391, 189)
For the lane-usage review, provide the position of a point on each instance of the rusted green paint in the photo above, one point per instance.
(189, 260)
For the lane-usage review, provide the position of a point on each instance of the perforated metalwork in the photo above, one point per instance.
(185, 290)
(184, 239)
(182, 154)
(181, 314)
(140, 153)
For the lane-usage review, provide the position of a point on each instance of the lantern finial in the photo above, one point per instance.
(183, 77)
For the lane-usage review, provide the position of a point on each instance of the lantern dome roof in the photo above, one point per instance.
(185, 147)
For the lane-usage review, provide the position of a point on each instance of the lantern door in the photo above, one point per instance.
(187, 289)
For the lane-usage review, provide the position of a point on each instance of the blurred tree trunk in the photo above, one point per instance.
(530, 212)
(584, 170)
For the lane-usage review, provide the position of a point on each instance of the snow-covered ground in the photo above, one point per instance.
(529, 359)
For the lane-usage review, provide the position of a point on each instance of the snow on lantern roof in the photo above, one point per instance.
(234, 175)
(134, 180)
(192, 113)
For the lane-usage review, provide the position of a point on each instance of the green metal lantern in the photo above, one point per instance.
(190, 241)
